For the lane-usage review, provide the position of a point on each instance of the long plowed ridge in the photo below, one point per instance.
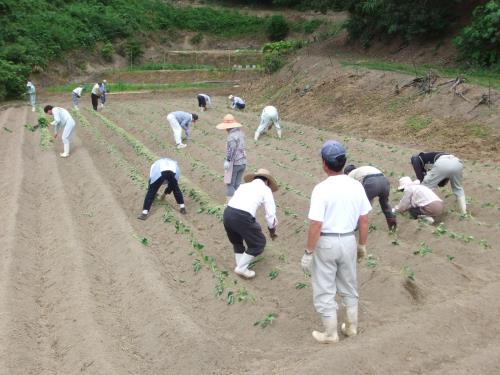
(87, 288)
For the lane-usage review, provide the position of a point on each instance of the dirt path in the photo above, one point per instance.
(87, 288)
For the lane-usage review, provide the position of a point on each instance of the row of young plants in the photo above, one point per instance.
(225, 287)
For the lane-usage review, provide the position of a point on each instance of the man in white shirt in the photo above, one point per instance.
(239, 218)
(269, 116)
(338, 205)
(62, 119)
(236, 102)
(421, 201)
(95, 94)
(204, 101)
(76, 94)
(163, 171)
(31, 91)
(376, 185)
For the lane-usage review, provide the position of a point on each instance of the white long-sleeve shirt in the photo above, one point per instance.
(236, 99)
(78, 91)
(162, 165)
(61, 118)
(416, 195)
(250, 196)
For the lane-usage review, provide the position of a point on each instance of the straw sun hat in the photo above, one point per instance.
(228, 123)
(264, 173)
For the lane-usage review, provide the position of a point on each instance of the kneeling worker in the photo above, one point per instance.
(422, 202)
(163, 171)
(239, 218)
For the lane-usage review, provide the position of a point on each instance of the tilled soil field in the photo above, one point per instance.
(87, 288)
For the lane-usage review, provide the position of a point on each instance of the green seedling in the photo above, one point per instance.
(168, 217)
(408, 273)
(372, 228)
(30, 127)
(243, 295)
(196, 265)
(283, 258)
(230, 297)
(395, 242)
(42, 122)
(268, 320)
(440, 229)
(7, 129)
(371, 262)
(181, 228)
(289, 212)
(423, 250)
(300, 285)
(274, 274)
(143, 240)
(196, 245)
(485, 245)
(450, 258)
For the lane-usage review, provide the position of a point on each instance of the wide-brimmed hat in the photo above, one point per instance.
(273, 184)
(228, 123)
(405, 181)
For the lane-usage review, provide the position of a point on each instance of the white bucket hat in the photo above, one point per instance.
(405, 181)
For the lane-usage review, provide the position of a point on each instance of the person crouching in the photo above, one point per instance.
(239, 219)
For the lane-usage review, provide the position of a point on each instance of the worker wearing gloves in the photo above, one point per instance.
(31, 92)
(103, 91)
(422, 202)
(268, 117)
(436, 169)
(62, 119)
(178, 121)
(236, 102)
(236, 156)
(239, 219)
(95, 94)
(163, 171)
(338, 205)
(76, 94)
(376, 185)
(204, 101)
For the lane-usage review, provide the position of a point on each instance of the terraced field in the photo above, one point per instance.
(87, 288)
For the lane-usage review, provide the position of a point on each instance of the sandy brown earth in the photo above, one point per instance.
(87, 288)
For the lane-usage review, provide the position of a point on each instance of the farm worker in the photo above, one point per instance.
(163, 171)
(102, 89)
(239, 219)
(95, 94)
(338, 205)
(76, 94)
(31, 92)
(236, 158)
(376, 185)
(62, 119)
(269, 116)
(180, 120)
(422, 202)
(436, 169)
(236, 102)
(204, 101)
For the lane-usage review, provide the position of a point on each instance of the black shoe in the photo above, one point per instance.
(183, 210)
(142, 216)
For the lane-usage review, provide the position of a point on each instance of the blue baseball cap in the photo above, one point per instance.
(331, 150)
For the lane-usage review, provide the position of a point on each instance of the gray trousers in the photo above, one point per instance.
(378, 186)
(447, 166)
(334, 270)
(235, 179)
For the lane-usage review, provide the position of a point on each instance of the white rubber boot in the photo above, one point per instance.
(256, 136)
(279, 133)
(350, 327)
(237, 258)
(242, 267)
(65, 154)
(330, 335)
(462, 204)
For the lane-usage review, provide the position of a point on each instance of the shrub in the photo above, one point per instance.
(12, 79)
(479, 43)
(273, 62)
(196, 39)
(134, 51)
(277, 28)
(107, 52)
(283, 46)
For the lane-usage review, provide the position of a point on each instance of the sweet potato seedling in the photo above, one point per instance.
(371, 262)
(268, 320)
(300, 285)
(407, 272)
(274, 273)
(143, 240)
(423, 250)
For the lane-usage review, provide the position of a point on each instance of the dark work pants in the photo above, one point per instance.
(95, 100)
(202, 102)
(241, 226)
(153, 188)
(378, 186)
(240, 106)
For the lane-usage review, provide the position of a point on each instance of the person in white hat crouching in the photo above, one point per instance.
(421, 201)
(239, 219)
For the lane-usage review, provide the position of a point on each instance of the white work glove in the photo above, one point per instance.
(227, 163)
(361, 252)
(306, 263)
